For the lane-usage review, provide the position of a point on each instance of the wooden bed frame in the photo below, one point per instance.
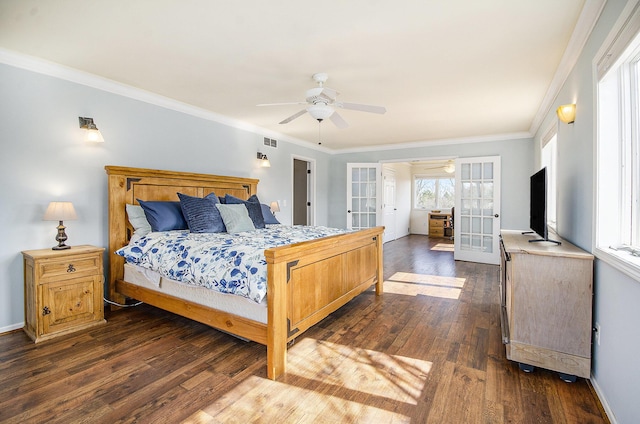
(305, 281)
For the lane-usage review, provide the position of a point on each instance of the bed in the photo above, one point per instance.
(306, 281)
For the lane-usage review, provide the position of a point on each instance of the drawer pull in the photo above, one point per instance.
(71, 268)
(46, 311)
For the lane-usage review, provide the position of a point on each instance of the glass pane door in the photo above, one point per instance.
(477, 211)
(363, 194)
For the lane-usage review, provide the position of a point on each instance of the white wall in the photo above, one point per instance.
(44, 158)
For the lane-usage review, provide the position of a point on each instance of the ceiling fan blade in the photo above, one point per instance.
(282, 104)
(329, 93)
(294, 116)
(338, 121)
(362, 108)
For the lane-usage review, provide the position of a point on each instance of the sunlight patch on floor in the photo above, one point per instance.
(326, 382)
(410, 289)
(392, 377)
(410, 284)
(434, 280)
(443, 247)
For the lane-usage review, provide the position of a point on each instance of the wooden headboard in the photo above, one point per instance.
(128, 184)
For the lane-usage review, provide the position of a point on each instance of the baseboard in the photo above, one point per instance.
(10, 328)
(603, 400)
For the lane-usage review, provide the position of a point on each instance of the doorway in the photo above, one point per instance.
(303, 191)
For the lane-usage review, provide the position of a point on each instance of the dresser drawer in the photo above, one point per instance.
(74, 266)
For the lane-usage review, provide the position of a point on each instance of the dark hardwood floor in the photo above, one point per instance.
(428, 350)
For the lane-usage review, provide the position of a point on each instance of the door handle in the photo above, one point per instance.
(348, 211)
(496, 216)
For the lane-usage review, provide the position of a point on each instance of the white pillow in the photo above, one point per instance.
(235, 217)
(138, 220)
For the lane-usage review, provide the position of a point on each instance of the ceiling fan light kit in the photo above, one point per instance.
(320, 111)
(322, 102)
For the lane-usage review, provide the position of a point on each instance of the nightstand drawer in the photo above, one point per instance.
(71, 266)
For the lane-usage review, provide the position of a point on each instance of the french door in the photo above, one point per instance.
(477, 210)
(364, 189)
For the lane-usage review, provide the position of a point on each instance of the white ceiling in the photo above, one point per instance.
(443, 69)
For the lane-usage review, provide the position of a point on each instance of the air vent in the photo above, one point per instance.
(270, 142)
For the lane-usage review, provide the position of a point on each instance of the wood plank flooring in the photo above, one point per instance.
(428, 351)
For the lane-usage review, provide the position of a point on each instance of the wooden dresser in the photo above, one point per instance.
(438, 222)
(546, 296)
(63, 291)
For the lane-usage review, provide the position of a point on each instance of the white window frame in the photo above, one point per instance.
(617, 163)
(430, 177)
(549, 159)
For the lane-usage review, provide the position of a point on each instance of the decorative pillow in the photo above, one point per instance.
(138, 221)
(164, 216)
(269, 217)
(235, 217)
(252, 205)
(201, 213)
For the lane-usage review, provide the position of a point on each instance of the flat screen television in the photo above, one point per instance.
(538, 206)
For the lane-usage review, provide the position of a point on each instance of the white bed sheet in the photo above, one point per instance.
(230, 303)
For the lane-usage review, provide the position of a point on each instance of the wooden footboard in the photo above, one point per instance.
(305, 282)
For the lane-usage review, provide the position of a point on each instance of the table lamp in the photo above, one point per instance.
(60, 211)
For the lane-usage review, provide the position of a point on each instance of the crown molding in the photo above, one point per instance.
(440, 142)
(586, 22)
(56, 70)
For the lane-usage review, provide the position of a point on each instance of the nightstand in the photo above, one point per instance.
(63, 291)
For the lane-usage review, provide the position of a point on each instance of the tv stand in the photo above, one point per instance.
(541, 239)
(546, 239)
(546, 305)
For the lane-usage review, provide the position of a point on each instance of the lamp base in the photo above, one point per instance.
(61, 237)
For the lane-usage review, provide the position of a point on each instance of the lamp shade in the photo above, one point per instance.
(275, 206)
(567, 113)
(60, 211)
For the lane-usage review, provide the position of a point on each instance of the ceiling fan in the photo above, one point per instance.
(322, 102)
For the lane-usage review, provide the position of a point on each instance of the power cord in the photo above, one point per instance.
(120, 304)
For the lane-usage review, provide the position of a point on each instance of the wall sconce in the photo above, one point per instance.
(60, 211)
(275, 207)
(567, 113)
(93, 134)
(264, 160)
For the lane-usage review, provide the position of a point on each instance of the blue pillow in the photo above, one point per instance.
(252, 205)
(164, 216)
(201, 213)
(269, 217)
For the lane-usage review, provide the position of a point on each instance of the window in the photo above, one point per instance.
(548, 159)
(618, 146)
(433, 192)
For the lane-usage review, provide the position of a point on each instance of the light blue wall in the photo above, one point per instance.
(516, 167)
(44, 158)
(616, 364)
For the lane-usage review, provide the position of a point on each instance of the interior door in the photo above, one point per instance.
(389, 204)
(302, 192)
(477, 211)
(363, 193)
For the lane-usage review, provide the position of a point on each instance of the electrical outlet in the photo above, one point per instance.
(597, 330)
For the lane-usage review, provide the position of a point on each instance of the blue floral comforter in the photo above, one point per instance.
(229, 263)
